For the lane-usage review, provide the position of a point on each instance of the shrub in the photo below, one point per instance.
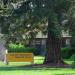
(11, 45)
(73, 59)
(20, 49)
(66, 52)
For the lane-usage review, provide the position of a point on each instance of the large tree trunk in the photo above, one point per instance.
(53, 54)
(73, 41)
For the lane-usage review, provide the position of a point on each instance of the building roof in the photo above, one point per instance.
(64, 34)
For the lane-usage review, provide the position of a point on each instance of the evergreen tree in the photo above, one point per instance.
(52, 11)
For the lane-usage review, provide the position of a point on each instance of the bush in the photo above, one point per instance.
(73, 59)
(67, 52)
(20, 49)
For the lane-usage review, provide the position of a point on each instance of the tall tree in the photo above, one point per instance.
(52, 10)
(70, 23)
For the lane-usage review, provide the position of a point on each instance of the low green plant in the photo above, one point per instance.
(20, 48)
(73, 59)
(11, 45)
(66, 52)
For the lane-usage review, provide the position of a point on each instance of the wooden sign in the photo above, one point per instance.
(20, 57)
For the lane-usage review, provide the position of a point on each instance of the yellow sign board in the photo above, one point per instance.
(20, 57)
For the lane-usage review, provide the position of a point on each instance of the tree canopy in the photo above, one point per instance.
(33, 15)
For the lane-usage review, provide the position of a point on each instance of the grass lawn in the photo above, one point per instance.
(15, 68)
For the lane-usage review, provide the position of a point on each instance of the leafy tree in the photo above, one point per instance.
(70, 22)
(51, 11)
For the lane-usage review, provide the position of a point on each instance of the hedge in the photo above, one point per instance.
(67, 52)
(13, 48)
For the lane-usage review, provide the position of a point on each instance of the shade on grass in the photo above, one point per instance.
(21, 69)
(39, 72)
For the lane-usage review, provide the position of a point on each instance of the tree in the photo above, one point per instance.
(70, 24)
(52, 10)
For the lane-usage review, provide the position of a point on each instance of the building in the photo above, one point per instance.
(40, 41)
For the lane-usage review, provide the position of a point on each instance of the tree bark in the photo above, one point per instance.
(53, 54)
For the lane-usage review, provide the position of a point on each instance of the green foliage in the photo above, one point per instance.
(11, 45)
(67, 52)
(23, 9)
(41, 9)
(20, 48)
(73, 58)
(55, 28)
